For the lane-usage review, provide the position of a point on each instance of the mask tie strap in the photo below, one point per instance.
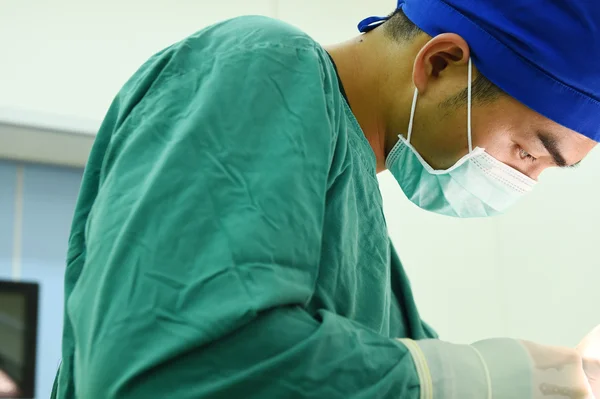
(469, 103)
(412, 115)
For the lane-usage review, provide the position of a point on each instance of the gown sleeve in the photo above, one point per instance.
(202, 246)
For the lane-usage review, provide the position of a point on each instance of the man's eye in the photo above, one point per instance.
(525, 155)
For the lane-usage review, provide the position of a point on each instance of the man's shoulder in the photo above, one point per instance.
(249, 33)
(259, 47)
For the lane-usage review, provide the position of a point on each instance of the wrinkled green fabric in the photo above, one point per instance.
(229, 239)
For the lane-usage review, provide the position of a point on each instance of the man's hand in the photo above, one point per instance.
(589, 349)
(557, 372)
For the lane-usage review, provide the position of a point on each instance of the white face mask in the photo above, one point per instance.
(478, 185)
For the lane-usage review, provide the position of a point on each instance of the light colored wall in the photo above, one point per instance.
(548, 255)
(70, 57)
(531, 273)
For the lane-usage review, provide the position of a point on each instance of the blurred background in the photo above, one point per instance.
(531, 274)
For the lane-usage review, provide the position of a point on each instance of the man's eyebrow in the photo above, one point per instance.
(551, 145)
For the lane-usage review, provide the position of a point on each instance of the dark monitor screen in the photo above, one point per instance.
(18, 338)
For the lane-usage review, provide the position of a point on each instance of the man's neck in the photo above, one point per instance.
(371, 85)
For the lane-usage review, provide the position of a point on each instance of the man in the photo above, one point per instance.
(229, 240)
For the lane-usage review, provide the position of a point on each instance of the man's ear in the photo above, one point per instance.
(440, 52)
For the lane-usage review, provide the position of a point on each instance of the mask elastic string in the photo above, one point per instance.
(412, 115)
(469, 103)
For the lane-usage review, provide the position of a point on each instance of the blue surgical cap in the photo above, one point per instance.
(544, 53)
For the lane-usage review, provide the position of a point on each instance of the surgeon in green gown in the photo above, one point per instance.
(229, 240)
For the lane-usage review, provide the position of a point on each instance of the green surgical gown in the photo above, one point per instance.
(229, 239)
